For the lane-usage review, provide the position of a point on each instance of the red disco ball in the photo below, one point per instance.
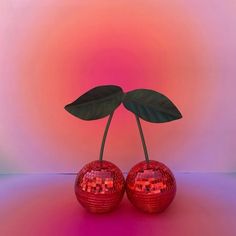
(150, 186)
(100, 186)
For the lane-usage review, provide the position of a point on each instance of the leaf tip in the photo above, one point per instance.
(66, 107)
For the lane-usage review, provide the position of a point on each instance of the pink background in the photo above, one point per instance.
(52, 51)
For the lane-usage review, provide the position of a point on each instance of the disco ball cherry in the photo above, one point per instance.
(150, 186)
(100, 186)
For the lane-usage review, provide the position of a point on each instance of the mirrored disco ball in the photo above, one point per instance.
(150, 186)
(100, 186)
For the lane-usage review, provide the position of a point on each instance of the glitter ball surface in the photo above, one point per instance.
(100, 186)
(150, 187)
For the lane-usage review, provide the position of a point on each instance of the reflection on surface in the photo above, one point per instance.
(46, 205)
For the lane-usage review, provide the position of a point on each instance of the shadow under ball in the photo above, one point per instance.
(100, 186)
(150, 186)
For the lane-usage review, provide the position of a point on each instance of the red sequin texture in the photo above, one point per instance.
(100, 186)
(150, 186)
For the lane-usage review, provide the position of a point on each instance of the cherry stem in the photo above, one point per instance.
(104, 136)
(142, 138)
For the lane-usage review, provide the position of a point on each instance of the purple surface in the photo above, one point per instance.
(205, 204)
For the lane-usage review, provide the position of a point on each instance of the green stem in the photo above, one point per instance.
(104, 136)
(142, 138)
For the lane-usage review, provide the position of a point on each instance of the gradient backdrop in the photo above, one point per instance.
(52, 51)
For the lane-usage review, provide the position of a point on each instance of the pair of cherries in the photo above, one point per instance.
(100, 185)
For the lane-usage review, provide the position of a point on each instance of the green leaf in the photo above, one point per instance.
(151, 106)
(96, 103)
